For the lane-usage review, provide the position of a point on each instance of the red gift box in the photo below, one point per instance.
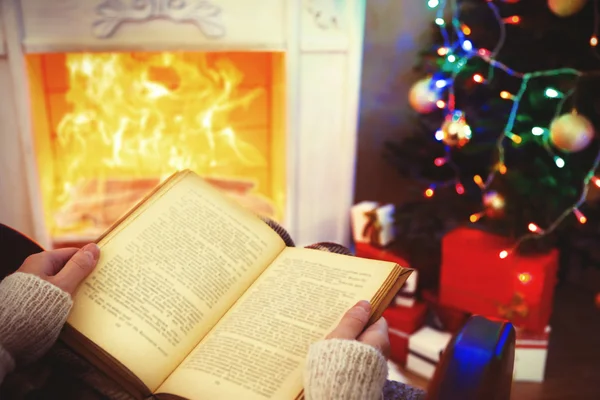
(474, 278)
(366, 250)
(402, 322)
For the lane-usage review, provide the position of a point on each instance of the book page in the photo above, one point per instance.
(169, 274)
(257, 350)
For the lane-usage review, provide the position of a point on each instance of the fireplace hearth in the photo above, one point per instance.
(107, 98)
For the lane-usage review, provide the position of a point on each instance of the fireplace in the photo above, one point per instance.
(110, 97)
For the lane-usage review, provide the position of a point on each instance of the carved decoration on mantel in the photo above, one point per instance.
(326, 13)
(202, 13)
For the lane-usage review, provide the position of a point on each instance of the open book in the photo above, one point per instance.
(195, 297)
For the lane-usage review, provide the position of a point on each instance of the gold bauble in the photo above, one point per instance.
(566, 8)
(571, 132)
(455, 130)
(423, 96)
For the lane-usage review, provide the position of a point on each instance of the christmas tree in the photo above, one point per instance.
(505, 115)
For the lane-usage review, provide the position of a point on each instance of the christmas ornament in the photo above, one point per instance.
(566, 8)
(423, 96)
(494, 204)
(571, 132)
(455, 130)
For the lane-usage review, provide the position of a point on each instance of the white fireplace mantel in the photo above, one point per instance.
(322, 40)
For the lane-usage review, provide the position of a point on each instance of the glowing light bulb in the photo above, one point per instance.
(442, 51)
(493, 200)
(465, 29)
(478, 78)
(441, 83)
(440, 161)
(503, 254)
(477, 179)
(439, 135)
(537, 131)
(506, 95)
(502, 169)
(439, 21)
(484, 52)
(594, 41)
(552, 93)
(579, 215)
(477, 216)
(559, 162)
(534, 228)
(525, 277)
(515, 138)
(596, 181)
(515, 19)
(467, 45)
(451, 58)
(460, 189)
(429, 192)
(433, 3)
(440, 103)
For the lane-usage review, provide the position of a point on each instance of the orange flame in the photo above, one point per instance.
(141, 117)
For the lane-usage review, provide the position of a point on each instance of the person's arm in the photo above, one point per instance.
(35, 302)
(349, 364)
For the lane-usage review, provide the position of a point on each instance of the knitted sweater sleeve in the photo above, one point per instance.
(344, 370)
(32, 313)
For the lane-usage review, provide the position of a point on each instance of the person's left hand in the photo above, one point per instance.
(65, 268)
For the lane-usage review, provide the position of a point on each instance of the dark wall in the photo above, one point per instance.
(394, 33)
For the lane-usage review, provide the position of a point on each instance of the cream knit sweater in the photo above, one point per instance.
(33, 311)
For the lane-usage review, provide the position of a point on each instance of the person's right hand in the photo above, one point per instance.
(352, 326)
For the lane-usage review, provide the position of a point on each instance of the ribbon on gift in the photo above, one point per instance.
(372, 229)
(516, 307)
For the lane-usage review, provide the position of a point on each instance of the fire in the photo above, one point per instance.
(134, 119)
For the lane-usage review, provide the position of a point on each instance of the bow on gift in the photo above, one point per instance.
(372, 228)
(516, 307)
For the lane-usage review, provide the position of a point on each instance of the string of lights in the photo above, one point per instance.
(457, 56)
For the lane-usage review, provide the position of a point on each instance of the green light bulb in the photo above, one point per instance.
(537, 131)
(433, 3)
(440, 21)
(559, 162)
(552, 93)
(451, 58)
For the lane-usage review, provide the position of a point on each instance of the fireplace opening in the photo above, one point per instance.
(108, 127)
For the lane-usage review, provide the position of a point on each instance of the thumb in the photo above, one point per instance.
(77, 268)
(353, 322)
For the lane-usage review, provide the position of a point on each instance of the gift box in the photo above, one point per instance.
(531, 351)
(474, 278)
(402, 322)
(372, 223)
(425, 348)
(366, 250)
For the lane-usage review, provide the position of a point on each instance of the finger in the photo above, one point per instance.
(77, 268)
(56, 259)
(47, 263)
(377, 336)
(353, 322)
